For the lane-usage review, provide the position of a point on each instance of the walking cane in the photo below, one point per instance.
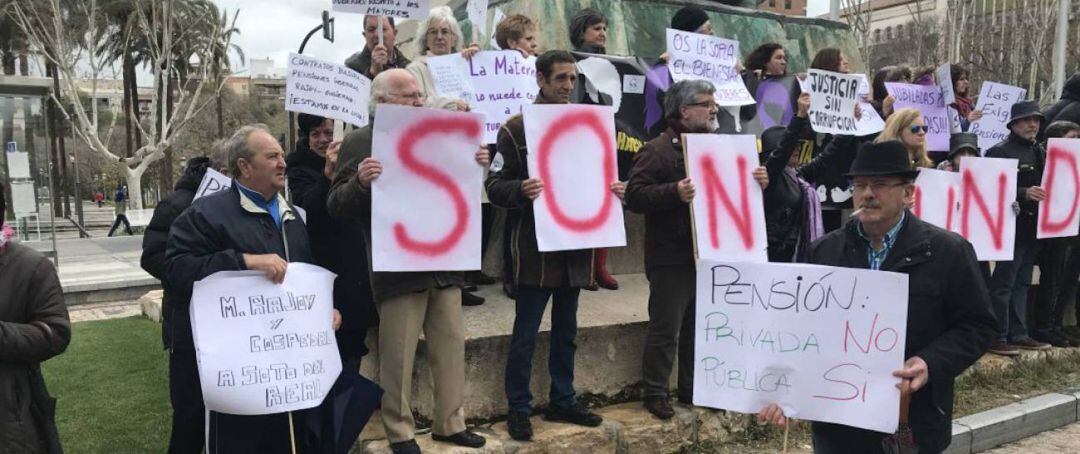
(903, 441)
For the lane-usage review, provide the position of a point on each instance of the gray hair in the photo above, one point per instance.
(446, 103)
(237, 146)
(684, 93)
(439, 14)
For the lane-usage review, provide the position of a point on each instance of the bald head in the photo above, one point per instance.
(396, 86)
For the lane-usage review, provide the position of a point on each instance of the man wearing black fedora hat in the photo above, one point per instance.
(1011, 280)
(949, 324)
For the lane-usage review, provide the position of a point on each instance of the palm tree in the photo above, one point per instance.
(220, 63)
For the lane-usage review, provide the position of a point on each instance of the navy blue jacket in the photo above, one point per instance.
(213, 235)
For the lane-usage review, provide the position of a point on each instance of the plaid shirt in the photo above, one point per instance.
(876, 258)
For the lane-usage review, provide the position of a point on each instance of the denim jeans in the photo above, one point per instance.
(1009, 287)
(530, 305)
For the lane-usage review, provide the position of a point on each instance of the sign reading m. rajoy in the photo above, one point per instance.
(821, 342)
(327, 89)
(404, 9)
(262, 347)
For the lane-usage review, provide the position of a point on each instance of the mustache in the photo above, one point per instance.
(869, 205)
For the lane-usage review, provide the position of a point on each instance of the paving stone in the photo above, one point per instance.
(644, 433)
(718, 425)
(559, 438)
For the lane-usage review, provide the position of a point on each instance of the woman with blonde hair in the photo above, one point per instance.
(439, 34)
(908, 126)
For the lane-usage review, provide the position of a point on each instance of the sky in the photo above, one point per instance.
(273, 28)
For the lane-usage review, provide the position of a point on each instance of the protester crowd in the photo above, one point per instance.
(958, 307)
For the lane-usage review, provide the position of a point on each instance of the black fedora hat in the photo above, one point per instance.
(1025, 109)
(961, 140)
(885, 159)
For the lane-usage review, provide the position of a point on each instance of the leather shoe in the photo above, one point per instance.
(577, 414)
(519, 426)
(405, 447)
(464, 438)
(1028, 343)
(1003, 349)
(469, 299)
(659, 407)
(1052, 338)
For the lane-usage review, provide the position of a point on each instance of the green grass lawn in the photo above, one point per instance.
(112, 388)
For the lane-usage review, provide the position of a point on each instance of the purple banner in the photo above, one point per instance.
(929, 100)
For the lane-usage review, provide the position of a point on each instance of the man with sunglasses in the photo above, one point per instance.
(949, 324)
(1011, 280)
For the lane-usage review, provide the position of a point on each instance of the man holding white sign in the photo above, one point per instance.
(949, 324)
(408, 302)
(248, 227)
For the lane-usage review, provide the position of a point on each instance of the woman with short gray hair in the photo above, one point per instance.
(440, 34)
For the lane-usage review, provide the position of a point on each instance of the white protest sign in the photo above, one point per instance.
(869, 122)
(937, 197)
(1061, 180)
(327, 89)
(954, 120)
(987, 219)
(821, 342)
(23, 200)
(425, 206)
(404, 9)
(832, 101)
(694, 56)
(928, 100)
(18, 165)
(213, 181)
(728, 210)
(504, 81)
(262, 347)
(572, 150)
(477, 10)
(451, 74)
(495, 20)
(995, 102)
(943, 74)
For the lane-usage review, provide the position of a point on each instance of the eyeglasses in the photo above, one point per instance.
(875, 186)
(707, 104)
(916, 128)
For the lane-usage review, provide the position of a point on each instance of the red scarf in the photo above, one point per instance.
(964, 106)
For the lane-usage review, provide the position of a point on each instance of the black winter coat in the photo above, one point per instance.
(1032, 159)
(213, 235)
(949, 324)
(34, 327)
(336, 246)
(1068, 107)
(156, 237)
(653, 191)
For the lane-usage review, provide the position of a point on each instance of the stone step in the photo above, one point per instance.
(627, 428)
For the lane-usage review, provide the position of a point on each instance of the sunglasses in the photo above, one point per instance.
(916, 128)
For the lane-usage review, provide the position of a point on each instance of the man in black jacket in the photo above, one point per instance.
(1011, 280)
(188, 421)
(949, 324)
(334, 242)
(248, 227)
(1067, 108)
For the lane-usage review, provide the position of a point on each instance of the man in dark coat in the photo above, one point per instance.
(408, 302)
(541, 276)
(188, 421)
(248, 227)
(660, 189)
(334, 242)
(1068, 107)
(34, 327)
(376, 58)
(949, 324)
(1011, 280)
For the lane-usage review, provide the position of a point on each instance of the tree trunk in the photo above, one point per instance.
(133, 88)
(220, 120)
(133, 177)
(129, 133)
(55, 135)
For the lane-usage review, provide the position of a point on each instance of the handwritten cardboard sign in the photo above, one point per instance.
(404, 9)
(821, 342)
(728, 210)
(477, 10)
(937, 197)
(832, 101)
(327, 89)
(995, 102)
(1061, 180)
(987, 219)
(943, 74)
(498, 17)
(501, 83)
(694, 56)
(572, 150)
(265, 348)
(928, 100)
(425, 206)
(212, 182)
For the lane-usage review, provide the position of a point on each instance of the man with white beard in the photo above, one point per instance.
(660, 189)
